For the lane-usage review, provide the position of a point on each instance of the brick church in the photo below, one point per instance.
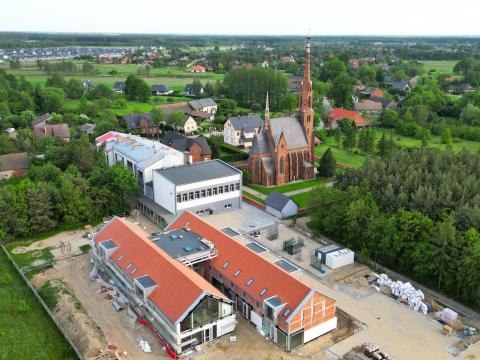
(283, 150)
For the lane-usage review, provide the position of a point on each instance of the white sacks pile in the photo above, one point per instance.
(405, 291)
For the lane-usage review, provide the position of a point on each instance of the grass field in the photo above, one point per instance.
(174, 77)
(288, 187)
(440, 66)
(302, 200)
(344, 157)
(253, 197)
(26, 331)
(458, 144)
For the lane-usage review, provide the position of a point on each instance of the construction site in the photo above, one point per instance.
(377, 315)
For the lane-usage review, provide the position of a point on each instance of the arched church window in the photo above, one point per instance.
(282, 165)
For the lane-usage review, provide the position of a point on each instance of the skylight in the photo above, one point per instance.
(249, 282)
(263, 291)
(134, 271)
(120, 257)
(237, 273)
(287, 312)
(224, 266)
(129, 266)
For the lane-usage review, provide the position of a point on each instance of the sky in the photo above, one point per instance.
(244, 17)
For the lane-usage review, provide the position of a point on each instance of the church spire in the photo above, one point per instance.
(267, 113)
(306, 71)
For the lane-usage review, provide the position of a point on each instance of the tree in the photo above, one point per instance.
(390, 118)
(74, 89)
(349, 134)
(328, 164)
(342, 90)
(386, 146)
(245, 176)
(100, 91)
(446, 137)
(158, 116)
(40, 213)
(7, 145)
(137, 89)
(25, 140)
(197, 87)
(444, 236)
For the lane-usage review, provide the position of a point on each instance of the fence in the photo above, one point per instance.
(40, 300)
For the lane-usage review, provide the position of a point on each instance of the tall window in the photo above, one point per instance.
(282, 165)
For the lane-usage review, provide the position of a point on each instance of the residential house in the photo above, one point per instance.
(42, 120)
(207, 105)
(288, 58)
(280, 205)
(160, 89)
(383, 66)
(401, 86)
(88, 85)
(240, 130)
(202, 116)
(87, 128)
(205, 188)
(459, 89)
(280, 306)
(338, 114)
(295, 82)
(196, 148)
(197, 69)
(187, 123)
(413, 82)
(326, 104)
(15, 164)
(387, 79)
(368, 106)
(264, 64)
(386, 103)
(61, 131)
(158, 283)
(188, 91)
(371, 91)
(140, 121)
(119, 87)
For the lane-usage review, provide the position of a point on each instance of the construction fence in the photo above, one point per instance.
(40, 300)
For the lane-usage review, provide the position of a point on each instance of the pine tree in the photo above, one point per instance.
(40, 213)
(328, 164)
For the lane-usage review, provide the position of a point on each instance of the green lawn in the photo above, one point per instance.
(440, 66)
(458, 144)
(26, 331)
(344, 157)
(251, 196)
(288, 187)
(302, 199)
(175, 77)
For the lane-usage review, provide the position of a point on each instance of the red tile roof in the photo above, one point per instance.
(56, 130)
(179, 287)
(339, 113)
(15, 161)
(251, 265)
(377, 93)
(109, 136)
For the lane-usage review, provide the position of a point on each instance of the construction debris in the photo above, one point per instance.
(109, 354)
(447, 316)
(405, 291)
(145, 346)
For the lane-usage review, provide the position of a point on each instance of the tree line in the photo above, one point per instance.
(417, 213)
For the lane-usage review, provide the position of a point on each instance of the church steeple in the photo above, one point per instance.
(266, 125)
(305, 107)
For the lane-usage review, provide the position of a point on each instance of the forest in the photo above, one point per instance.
(416, 212)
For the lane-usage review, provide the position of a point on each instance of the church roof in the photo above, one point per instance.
(259, 144)
(267, 165)
(291, 129)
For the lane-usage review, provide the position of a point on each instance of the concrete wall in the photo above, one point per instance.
(164, 192)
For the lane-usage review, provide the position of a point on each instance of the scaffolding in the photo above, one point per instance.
(293, 246)
(272, 232)
(316, 262)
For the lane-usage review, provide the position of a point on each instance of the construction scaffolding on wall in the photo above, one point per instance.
(293, 246)
(316, 262)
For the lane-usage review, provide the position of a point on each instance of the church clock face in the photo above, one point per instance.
(305, 102)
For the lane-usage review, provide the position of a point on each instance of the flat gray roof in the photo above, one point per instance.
(179, 243)
(257, 248)
(285, 265)
(108, 244)
(275, 301)
(201, 171)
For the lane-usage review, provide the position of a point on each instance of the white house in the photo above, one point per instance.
(280, 205)
(206, 187)
(240, 130)
(207, 105)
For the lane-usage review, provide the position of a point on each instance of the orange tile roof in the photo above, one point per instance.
(251, 265)
(377, 93)
(339, 113)
(179, 287)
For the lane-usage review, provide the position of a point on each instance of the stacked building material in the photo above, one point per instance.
(405, 291)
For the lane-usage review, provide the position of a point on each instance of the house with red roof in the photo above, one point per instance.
(338, 114)
(197, 69)
(176, 301)
(280, 306)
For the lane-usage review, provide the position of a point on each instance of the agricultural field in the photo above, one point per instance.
(440, 66)
(27, 331)
(175, 77)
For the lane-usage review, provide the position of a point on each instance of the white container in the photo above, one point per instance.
(339, 258)
(448, 316)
